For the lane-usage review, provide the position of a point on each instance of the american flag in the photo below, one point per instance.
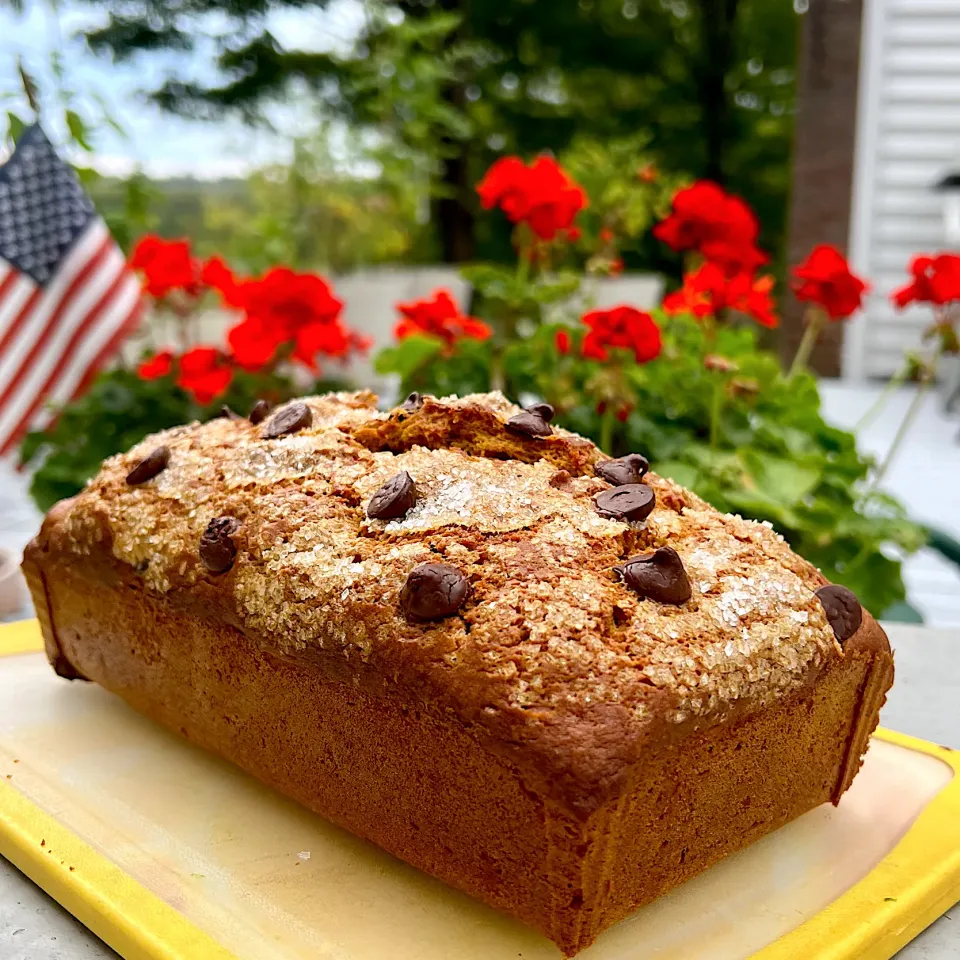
(67, 298)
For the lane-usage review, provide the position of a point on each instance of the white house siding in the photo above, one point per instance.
(908, 137)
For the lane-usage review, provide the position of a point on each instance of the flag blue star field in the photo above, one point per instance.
(67, 298)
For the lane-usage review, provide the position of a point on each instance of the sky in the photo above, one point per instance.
(160, 144)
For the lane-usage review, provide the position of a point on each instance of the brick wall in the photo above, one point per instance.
(823, 154)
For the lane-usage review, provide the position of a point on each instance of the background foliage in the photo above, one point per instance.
(773, 457)
(437, 89)
(405, 119)
(118, 411)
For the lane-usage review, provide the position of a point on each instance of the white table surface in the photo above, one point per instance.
(923, 703)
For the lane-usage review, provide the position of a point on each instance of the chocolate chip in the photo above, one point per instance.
(542, 410)
(433, 591)
(530, 425)
(624, 470)
(217, 549)
(657, 576)
(394, 498)
(632, 501)
(261, 410)
(153, 463)
(293, 417)
(413, 402)
(843, 610)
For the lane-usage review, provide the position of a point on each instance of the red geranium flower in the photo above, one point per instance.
(157, 366)
(623, 327)
(290, 300)
(282, 307)
(541, 195)
(330, 339)
(825, 278)
(709, 291)
(438, 316)
(936, 280)
(756, 300)
(252, 344)
(220, 277)
(562, 341)
(204, 374)
(166, 265)
(720, 226)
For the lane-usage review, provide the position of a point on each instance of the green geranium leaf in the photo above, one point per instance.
(783, 480)
(78, 130)
(408, 355)
(682, 473)
(759, 505)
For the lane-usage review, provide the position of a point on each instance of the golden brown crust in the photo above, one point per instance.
(553, 662)
(426, 788)
(870, 648)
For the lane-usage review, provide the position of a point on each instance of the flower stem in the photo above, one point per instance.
(815, 320)
(892, 386)
(709, 324)
(526, 248)
(606, 429)
(915, 405)
(716, 407)
(508, 331)
(524, 257)
(498, 378)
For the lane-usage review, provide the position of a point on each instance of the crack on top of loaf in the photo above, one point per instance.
(475, 424)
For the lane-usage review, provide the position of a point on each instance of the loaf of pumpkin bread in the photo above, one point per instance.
(556, 681)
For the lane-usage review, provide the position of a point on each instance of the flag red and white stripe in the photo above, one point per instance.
(53, 338)
(67, 298)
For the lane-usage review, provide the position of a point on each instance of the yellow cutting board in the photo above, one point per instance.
(166, 852)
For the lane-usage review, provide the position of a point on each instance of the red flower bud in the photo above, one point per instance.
(743, 387)
(647, 173)
(717, 364)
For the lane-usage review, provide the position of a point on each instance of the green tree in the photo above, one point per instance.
(448, 84)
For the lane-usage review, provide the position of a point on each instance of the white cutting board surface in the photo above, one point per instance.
(268, 879)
